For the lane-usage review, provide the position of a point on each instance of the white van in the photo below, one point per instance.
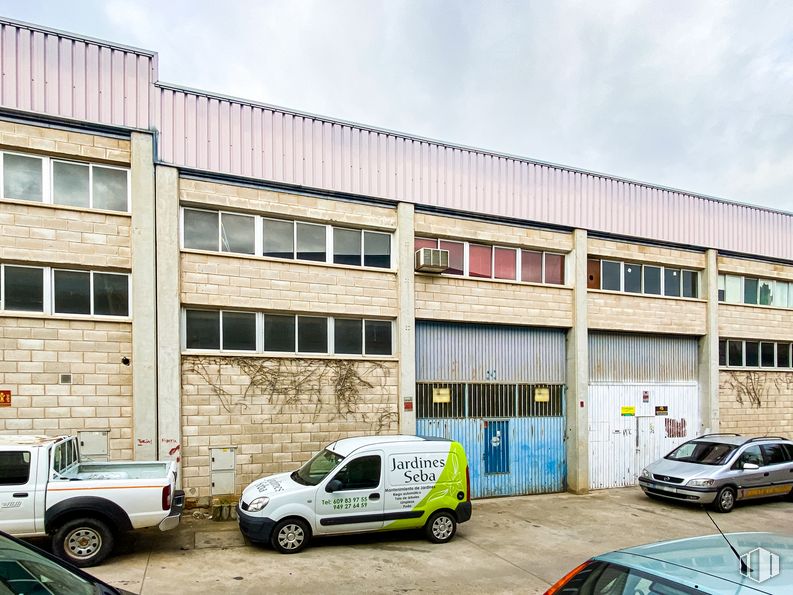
(354, 485)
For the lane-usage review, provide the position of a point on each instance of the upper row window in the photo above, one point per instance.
(754, 354)
(220, 231)
(57, 291)
(630, 277)
(736, 289)
(70, 183)
(497, 262)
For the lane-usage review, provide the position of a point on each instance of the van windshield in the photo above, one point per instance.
(704, 453)
(317, 468)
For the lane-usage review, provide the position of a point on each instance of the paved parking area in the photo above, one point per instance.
(520, 544)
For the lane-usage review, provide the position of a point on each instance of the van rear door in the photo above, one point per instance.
(355, 502)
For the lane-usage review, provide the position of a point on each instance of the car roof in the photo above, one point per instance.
(28, 440)
(738, 440)
(708, 563)
(346, 446)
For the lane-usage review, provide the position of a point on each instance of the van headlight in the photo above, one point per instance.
(700, 483)
(258, 503)
(645, 473)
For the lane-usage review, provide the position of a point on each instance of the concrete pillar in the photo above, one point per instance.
(168, 315)
(406, 320)
(144, 299)
(709, 347)
(577, 433)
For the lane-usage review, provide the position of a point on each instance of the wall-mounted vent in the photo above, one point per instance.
(65, 379)
(431, 260)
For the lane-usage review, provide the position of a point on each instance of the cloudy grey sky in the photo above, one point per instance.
(691, 94)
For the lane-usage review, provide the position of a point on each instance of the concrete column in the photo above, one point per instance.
(709, 347)
(406, 320)
(577, 436)
(144, 299)
(168, 315)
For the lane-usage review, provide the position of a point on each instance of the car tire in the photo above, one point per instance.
(290, 536)
(83, 542)
(441, 527)
(725, 499)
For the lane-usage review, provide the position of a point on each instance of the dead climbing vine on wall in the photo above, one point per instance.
(754, 387)
(326, 385)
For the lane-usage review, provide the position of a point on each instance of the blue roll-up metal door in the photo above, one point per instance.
(499, 391)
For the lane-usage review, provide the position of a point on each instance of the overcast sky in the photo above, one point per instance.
(696, 95)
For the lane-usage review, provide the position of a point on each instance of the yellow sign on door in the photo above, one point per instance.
(628, 411)
(441, 395)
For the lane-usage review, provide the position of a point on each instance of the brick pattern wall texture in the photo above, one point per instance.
(33, 354)
(48, 234)
(756, 403)
(755, 322)
(634, 313)
(284, 205)
(52, 141)
(277, 411)
(469, 300)
(755, 268)
(613, 250)
(291, 286)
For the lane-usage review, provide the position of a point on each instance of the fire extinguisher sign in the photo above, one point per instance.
(5, 398)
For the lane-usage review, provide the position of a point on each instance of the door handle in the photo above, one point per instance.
(374, 496)
(20, 494)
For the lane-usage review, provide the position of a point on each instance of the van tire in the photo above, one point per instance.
(725, 499)
(83, 541)
(441, 527)
(290, 536)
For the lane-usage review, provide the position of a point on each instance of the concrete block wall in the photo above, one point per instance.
(756, 402)
(64, 143)
(643, 314)
(630, 252)
(255, 404)
(36, 350)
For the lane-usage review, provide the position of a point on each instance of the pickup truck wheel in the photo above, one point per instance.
(441, 527)
(725, 500)
(83, 542)
(290, 536)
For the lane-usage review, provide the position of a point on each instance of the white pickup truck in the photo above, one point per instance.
(45, 489)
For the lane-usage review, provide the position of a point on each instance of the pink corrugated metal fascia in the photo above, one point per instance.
(58, 74)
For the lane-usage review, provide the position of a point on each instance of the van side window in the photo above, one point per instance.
(14, 467)
(775, 454)
(360, 474)
(752, 454)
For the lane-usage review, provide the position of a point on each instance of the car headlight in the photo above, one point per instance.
(700, 483)
(645, 473)
(258, 503)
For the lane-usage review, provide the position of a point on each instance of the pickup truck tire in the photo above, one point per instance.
(83, 542)
(290, 536)
(441, 527)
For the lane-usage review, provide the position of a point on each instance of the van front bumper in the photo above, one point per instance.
(257, 529)
(675, 492)
(175, 514)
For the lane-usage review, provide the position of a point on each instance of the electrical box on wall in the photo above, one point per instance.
(222, 465)
(93, 444)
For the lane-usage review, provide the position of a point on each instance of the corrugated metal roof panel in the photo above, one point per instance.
(617, 357)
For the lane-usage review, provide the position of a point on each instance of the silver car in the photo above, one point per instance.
(720, 469)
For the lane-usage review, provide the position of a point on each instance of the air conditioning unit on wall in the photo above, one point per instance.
(431, 260)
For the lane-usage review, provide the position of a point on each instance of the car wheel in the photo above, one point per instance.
(725, 500)
(290, 536)
(83, 542)
(441, 527)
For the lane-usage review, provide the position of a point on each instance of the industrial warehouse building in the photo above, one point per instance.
(187, 275)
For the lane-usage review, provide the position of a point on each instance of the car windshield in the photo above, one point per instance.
(704, 453)
(317, 468)
(24, 570)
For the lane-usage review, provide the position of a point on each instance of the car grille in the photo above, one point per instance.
(668, 479)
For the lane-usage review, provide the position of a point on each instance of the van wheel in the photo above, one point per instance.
(441, 527)
(83, 542)
(290, 536)
(725, 500)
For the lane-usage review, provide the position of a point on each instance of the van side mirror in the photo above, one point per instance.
(334, 485)
(750, 466)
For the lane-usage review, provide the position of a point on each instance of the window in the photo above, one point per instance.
(109, 188)
(774, 454)
(23, 177)
(767, 358)
(237, 233)
(735, 353)
(202, 329)
(278, 238)
(71, 184)
(480, 261)
(733, 289)
(633, 277)
(750, 290)
(672, 282)
(751, 354)
(765, 354)
(111, 294)
(781, 294)
(279, 333)
(219, 231)
(554, 268)
(783, 355)
(311, 242)
(751, 455)
(611, 275)
(362, 473)
(690, 284)
(86, 292)
(200, 230)
(722, 352)
(531, 266)
(378, 337)
(72, 292)
(765, 292)
(14, 467)
(239, 331)
(652, 280)
(505, 265)
(312, 334)
(23, 288)
(348, 336)
(593, 274)
(456, 256)
(722, 287)
(377, 249)
(347, 246)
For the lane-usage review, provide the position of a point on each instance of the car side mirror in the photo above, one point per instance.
(334, 485)
(750, 466)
